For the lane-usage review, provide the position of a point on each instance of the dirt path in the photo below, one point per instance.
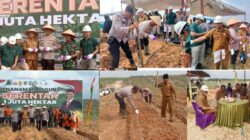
(148, 125)
(162, 55)
(112, 126)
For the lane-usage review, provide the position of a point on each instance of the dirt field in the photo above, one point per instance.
(162, 55)
(148, 125)
(31, 133)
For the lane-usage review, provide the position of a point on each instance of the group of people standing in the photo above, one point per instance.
(19, 54)
(217, 41)
(42, 118)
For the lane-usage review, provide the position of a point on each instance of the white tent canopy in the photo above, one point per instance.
(157, 4)
(215, 7)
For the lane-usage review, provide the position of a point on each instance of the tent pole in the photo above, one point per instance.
(139, 49)
(202, 7)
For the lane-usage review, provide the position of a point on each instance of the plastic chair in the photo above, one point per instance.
(203, 120)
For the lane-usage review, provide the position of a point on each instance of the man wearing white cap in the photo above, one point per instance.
(141, 15)
(202, 101)
(3, 41)
(22, 65)
(2, 108)
(31, 112)
(221, 43)
(145, 29)
(89, 47)
(198, 49)
(9, 55)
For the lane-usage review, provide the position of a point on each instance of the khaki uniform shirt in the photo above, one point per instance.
(52, 42)
(167, 89)
(30, 43)
(120, 28)
(220, 94)
(202, 102)
(221, 39)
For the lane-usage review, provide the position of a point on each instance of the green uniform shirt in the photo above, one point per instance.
(187, 46)
(8, 55)
(195, 28)
(19, 52)
(171, 18)
(69, 49)
(88, 46)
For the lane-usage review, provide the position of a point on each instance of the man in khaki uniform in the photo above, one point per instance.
(203, 102)
(237, 91)
(221, 93)
(168, 95)
(48, 45)
(221, 40)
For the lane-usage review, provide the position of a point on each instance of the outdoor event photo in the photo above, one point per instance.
(40, 106)
(49, 34)
(124, 70)
(218, 105)
(141, 33)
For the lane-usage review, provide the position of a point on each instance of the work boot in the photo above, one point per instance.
(123, 113)
(146, 51)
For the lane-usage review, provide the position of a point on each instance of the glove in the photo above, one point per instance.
(41, 49)
(68, 57)
(47, 49)
(137, 111)
(30, 50)
(62, 58)
(191, 42)
(23, 60)
(90, 56)
(35, 50)
(232, 52)
(152, 37)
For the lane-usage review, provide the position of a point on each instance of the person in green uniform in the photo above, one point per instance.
(21, 65)
(69, 51)
(9, 55)
(198, 49)
(89, 49)
(183, 30)
(171, 20)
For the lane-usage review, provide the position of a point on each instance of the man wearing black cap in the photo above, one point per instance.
(168, 95)
(71, 103)
(119, 36)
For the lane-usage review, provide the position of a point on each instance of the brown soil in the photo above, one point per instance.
(31, 133)
(148, 125)
(162, 55)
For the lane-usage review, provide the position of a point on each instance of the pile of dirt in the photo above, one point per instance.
(162, 55)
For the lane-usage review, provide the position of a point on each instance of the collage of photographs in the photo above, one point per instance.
(124, 70)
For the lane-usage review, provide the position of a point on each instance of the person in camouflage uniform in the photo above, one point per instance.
(69, 51)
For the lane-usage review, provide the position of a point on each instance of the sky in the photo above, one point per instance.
(227, 74)
(116, 7)
(243, 5)
(86, 76)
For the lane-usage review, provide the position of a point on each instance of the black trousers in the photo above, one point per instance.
(44, 124)
(38, 125)
(32, 120)
(1, 120)
(14, 126)
(48, 64)
(148, 98)
(121, 102)
(114, 49)
(144, 42)
(234, 57)
(19, 125)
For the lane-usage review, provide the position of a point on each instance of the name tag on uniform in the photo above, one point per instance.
(219, 55)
